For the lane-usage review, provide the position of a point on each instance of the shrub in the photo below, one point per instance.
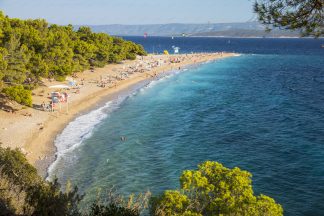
(131, 56)
(115, 204)
(60, 78)
(214, 190)
(23, 192)
(19, 94)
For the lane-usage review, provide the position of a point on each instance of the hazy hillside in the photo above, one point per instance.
(247, 29)
(247, 33)
(173, 28)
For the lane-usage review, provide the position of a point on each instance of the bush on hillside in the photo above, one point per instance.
(19, 94)
(117, 205)
(23, 192)
(214, 190)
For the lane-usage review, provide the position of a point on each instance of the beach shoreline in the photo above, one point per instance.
(37, 130)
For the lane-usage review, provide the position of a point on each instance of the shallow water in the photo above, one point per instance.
(261, 112)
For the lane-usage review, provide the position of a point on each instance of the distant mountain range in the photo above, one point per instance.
(246, 33)
(247, 29)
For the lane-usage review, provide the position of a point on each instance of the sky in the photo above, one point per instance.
(100, 12)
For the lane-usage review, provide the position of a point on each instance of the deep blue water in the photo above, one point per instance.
(293, 46)
(262, 111)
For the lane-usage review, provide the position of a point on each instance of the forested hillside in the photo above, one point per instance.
(31, 49)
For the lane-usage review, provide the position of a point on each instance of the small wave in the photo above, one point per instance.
(82, 127)
(158, 80)
(79, 130)
(206, 62)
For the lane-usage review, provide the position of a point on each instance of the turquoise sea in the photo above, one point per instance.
(262, 111)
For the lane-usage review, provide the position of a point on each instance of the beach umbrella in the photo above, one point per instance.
(58, 86)
(72, 83)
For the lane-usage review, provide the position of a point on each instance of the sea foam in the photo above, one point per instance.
(82, 127)
(78, 130)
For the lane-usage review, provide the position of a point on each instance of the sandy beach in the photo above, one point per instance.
(33, 130)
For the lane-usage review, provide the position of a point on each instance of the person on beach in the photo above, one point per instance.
(65, 96)
(43, 106)
(52, 105)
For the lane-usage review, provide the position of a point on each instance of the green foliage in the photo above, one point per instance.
(3, 64)
(306, 15)
(16, 60)
(19, 94)
(174, 203)
(116, 205)
(111, 210)
(23, 192)
(48, 199)
(31, 49)
(214, 190)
